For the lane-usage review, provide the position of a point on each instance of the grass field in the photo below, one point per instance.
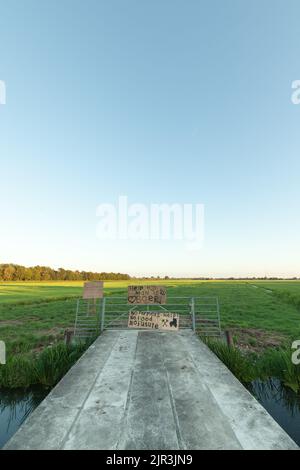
(260, 313)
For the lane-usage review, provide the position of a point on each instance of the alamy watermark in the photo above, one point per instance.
(2, 92)
(178, 222)
(296, 354)
(2, 353)
(295, 97)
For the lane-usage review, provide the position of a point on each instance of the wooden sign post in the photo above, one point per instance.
(147, 295)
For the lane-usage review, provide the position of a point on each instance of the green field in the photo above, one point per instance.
(260, 313)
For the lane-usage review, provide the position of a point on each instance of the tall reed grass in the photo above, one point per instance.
(247, 367)
(46, 368)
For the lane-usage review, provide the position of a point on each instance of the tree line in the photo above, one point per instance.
(15, 272)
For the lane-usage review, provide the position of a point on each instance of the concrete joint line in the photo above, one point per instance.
(128, 397)
(87, 396)
(181, 443)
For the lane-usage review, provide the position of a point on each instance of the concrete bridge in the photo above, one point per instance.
(149, 390)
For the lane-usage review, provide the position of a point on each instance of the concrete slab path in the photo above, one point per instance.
(149, 390)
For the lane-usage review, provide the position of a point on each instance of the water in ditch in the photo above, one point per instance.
(281, 403)
(15, 407)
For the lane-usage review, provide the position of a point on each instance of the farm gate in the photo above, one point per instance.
(201, 314)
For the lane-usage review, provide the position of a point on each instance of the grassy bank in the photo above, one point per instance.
(247, 367)
(45, 368)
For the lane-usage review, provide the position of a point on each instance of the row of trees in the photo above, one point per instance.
(14, 272)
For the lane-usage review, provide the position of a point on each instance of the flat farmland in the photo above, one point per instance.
(259, 313)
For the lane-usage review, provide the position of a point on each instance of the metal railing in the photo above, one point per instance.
(202, 314)
(117, 310)
(88, 318)
(207, 321)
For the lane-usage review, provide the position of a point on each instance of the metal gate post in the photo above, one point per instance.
(193, 314)
(218, 313)
(103, 314)
(76, 318)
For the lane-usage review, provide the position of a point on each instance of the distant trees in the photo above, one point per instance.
(15, 272)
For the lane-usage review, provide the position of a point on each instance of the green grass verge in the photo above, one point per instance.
(45, 368)
(247, 367)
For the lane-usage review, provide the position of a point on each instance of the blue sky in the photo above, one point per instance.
(163, 101)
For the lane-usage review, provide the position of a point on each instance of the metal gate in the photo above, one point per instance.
(206, 316)
(201, 314)
(88, 318)
(117, 310)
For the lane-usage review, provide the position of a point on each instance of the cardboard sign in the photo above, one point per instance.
(168, 321)
(142, 320)
(146, 295)
(153, 320)
(93, 290)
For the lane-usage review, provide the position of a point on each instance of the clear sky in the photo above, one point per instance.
(162, 101)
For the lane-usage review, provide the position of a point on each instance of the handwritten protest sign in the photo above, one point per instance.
(168, 321)
(143, 295)
(153, 320)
